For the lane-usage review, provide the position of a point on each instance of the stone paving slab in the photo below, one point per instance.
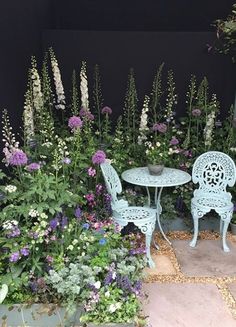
(186, 305)
(164, 266)
(232, 288)
(207, 259)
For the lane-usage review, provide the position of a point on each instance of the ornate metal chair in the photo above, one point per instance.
(144, 218)
(214, 171)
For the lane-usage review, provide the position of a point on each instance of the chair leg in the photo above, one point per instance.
(148, 251)
(225, 228)
(195, 235)
(221, 226)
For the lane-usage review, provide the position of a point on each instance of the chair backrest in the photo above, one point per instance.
(213, 171)
(112, 182)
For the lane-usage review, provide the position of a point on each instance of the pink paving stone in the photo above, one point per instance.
(186, 305)
(207, 259)
(232, 288)
(163, 266)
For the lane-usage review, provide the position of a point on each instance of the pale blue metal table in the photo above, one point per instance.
(169, 177)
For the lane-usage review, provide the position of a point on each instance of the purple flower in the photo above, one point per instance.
(161, 128)
(196, 112)
(109, 278)
(33, 166)
(25, 251)
(33, 286)
(66, 161)
(75, 122)
(102, 241)
(86, 225)
(15, 256)
(49, 259)
(64, 222)
(99, 157)
(18, 158)
(106, 110)
(99, 189)
(90, 197)
(78, 212)
(86, 114)
(174, 141)
(14, 233)
(91, 171)
(54, 223)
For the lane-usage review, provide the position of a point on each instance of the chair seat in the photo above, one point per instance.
(210, 202)
(134, 214)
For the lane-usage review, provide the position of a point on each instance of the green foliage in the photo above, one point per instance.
(75, 103)
(155, 97)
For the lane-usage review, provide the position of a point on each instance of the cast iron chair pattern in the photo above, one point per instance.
(144, 218)
(214, 171)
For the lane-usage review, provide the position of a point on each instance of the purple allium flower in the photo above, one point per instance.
(174, 141)
(15, 256)
(18, 158)
(54, 223)
(66, 161)
(78, 212)
(33, 166)
(86, 114)
(106, 110)
(86, 225)
(196, 112)
(102, 241)
(75, 122)
(91, 171)
(90, 197)
(161, 128)
(99, 157)
(64, 222)
(25, 251)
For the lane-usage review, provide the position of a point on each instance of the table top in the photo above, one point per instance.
(169, 177)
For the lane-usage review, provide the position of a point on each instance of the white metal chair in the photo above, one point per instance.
(144, 218)
(214, 171)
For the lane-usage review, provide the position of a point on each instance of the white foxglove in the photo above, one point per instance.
(84, 87)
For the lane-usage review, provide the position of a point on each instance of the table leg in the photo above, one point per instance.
(149, 197)
(159, 209)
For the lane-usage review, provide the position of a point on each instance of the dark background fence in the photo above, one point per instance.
(117, 35)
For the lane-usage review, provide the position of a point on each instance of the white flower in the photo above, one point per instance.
(9, 224)
(84, 87)
(113, 307)
(107, 294)
(143, 128)
(43, 215)
(75, 242)
(58, 83)
(43, 223)
(33, 213)
(10, 188)
(70, 247)
(97, 285)
(158, 144)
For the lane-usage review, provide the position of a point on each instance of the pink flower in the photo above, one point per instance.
(196, 112)
(91, 172)
(75, 122)
(106, 110)
(18, 158)
(99, 157)
(161, 128)
(33, 166)
(174, 141)
(90, 197)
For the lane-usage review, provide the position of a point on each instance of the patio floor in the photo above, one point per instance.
(192, 286)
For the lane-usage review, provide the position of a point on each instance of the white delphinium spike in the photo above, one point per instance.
(36, 89)
(28, 118)
(143, 128)
(84, 87)
(210, 122)
(60, 101)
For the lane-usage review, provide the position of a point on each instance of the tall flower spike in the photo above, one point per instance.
(8, 138)
(60, 101)
(28, 117)
(84, 87)
(36, 87)
(143, 128)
